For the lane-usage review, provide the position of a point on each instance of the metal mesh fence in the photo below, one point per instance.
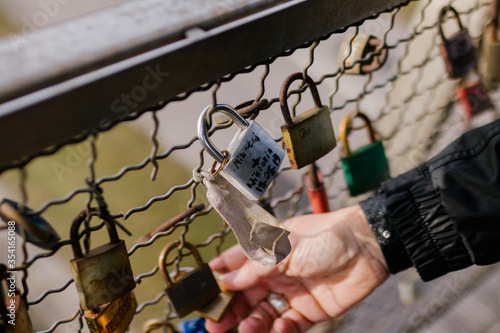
(145, 179)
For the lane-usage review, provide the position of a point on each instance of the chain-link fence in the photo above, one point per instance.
(137, 169)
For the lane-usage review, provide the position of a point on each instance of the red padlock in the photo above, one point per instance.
(473, 96)
(316, 192)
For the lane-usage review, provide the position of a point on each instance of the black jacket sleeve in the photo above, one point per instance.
(444, 215)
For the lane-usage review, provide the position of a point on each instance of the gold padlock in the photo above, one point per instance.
(13, 308)
(354, 54)
(155, 324)
(103, 274)
(491, 51)
(114, 316)
(192, 290)
(308, 136)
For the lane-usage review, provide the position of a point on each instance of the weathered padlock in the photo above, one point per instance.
(192, 290)
(367, 167)
(114, 316)
(316, 192)
(252, 158)
(354, 54)
(35, 229)
(155, 324)
(14, 317)
(308, 136)
(458, 51)
(491, 50)
(218, 307)
(473, 96)
(104, 273)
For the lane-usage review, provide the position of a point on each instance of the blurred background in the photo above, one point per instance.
(408, 100)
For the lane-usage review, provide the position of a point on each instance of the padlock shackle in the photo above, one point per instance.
(162, 260)
(75, 227)
(442, 15)
(284, 94)
(154, 324)
(378, 61)
(346, 127)
(203, 132)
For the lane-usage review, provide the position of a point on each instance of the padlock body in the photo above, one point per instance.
(254, 160)
(218, 307)
(459, 54)
(366, 168)
(474, 99)
(115, 316)
(193, 290)
(492, 60)
(103, 275)
(309, 137)
(352, 50)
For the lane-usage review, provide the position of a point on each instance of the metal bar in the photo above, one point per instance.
(60, 111)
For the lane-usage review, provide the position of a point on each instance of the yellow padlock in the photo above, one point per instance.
(308, 136)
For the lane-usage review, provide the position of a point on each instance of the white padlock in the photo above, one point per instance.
(252, 159)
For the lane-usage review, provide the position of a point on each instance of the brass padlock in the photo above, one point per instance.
(458, 51)
(14, 317)
(114, 316)
(104, 273)
(354, 55)
(491, 51)
(218, 307)
(308, 136)
(192, 290)
(155, 324)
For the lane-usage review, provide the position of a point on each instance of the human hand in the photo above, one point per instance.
(335, 262)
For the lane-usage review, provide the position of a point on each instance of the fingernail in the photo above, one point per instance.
(255, 320)
(228, 278)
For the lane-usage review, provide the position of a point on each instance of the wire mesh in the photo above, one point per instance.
(143, 179)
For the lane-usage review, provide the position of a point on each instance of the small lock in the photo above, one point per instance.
(458, 51)
(218, 307)
(316, 192)
(308, 136)
(14, 317)
(35, 229)
(253, 157)
(192, 290)
(367, 167)
(104, 273)
(491, 51)
(114, 316)
(473, 98)
(354, 54)
(156, 324)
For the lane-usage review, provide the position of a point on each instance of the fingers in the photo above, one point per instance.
(229, 260)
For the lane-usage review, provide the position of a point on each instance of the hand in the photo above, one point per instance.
(335, 262)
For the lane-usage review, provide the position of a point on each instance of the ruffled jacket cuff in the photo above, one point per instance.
(413, 228)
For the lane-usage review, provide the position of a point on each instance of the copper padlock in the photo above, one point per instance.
(458, 51)
(14, 317)
(354, 55)
(316, 192)
(308, 136)
(192, 290)
(114, 316)
(104, 273)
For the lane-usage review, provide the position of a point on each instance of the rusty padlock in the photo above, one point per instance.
(156, 324)
(491, 50)
(14, 317)
(308, 136)
(458, 51)
(114, 316)
(252, 158)
(366, 167)
(192, 290)
(354, 54)
(104, 273)
(35, 229)
(316, 192)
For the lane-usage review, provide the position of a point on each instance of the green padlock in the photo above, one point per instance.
(366, 167)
